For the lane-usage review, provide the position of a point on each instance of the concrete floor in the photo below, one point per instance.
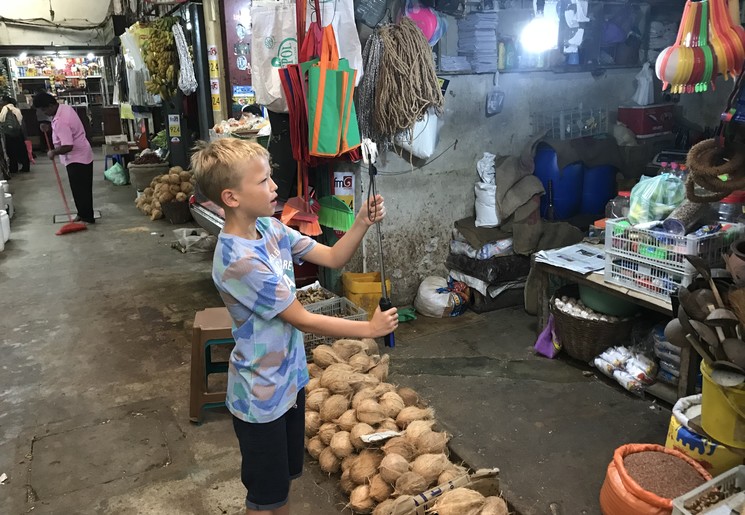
(95, 374)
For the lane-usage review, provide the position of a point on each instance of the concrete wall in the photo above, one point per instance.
(66, 12)
(423, 203)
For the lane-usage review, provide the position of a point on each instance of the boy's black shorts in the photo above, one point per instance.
(272, 456)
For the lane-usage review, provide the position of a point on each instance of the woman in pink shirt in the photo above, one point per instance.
(74, 151)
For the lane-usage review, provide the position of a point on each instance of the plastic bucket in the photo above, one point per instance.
(4, 226)
(598, 188)
(723, 411)
(566, 184)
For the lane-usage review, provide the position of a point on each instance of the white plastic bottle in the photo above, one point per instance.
(4, 227)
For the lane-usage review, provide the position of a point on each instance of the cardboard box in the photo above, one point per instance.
(646, 121)
(116, 145)
(484, 481)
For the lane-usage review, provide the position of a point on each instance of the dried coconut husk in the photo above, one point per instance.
(315, 446)
(347, 462)
(361, 362)
(392, 467)
(380, 490)
(412, 413)
(411, 483)
(432, 442)
(416, 428)
(495, 506)
(370, 412)
(365, 466)
(315, 399)
(371, 346)
(346, 348)
(340, 445)
(324, 355)
(385, 508)
(461, 501)
(346, 483)
(358, 431)
(430, 466)
(327, 432)
(312, 385)
(360, 500)
(388, 425)
(328, 461)
(392, 404)
(365, 393)
(347, 420)
(384, 388)
(410, 397)
(334, 407)
(312, 423)
(399, 445)
(361, 381)
(337, 381)
(314, 371)
(380, 371)
(450, 473)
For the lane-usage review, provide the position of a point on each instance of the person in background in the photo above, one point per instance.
(15, 139)
(74, 150)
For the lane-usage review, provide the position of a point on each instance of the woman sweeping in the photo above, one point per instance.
(11, 125)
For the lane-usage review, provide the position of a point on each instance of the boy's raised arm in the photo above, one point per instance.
(381, 324)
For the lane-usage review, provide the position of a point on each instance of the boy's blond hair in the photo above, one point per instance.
(214, 164)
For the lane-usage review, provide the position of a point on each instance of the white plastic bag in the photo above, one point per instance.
(273, 45)
(194, 240)
(424, 137)
(340, 13)
(486, 205)
(644, 94)
(435, 299)
(485, 168)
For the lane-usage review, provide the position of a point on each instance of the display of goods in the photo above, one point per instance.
(379, 439)
(249, 124)
(313, 295)
(175, 186)
(662, 474)
(159, 53)
(147, 158)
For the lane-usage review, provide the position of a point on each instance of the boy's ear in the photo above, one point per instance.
(229, 199)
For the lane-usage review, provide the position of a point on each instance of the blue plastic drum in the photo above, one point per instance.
(598, 188)
(566, 183)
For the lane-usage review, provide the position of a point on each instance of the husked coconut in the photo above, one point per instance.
(361, 362)
(416, 428)
(392, 467)
(412, 413)
(461, 501)
(358, 431)
(312, 423)
(346, 348)
(371, 346)
(399, 445)
(381, 369)
(313, 384)
(451, 472)
(334, 407)
(327, 432)
(370, 412)
(346, 483)
(385, 508)
(410, 397)
(314, 371)
(315, 399)
(347, 420)
(365, 393)
(328, 461)
(341, 445)
(324, 355)
(366, 465)
(388, 425)
(410, 483)
(392, 404)
(380, 490)
(430, 466)
(315, 447)
(432, 442)
(495, 506)
(360, 500)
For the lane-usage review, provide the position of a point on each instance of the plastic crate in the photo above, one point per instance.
(658, 248)
(316, 305)
(339, 307)
(653, 280)
(571, 123)
(728, 486)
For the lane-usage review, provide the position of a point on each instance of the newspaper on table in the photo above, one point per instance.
(582, 257)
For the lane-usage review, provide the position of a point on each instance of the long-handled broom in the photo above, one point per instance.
(70, 226)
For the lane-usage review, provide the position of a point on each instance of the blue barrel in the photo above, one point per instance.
(598, 188)
(566, 183)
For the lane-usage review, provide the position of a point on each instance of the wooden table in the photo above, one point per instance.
(689, 361)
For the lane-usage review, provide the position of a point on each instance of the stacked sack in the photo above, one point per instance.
(348, 398)
(174, 186)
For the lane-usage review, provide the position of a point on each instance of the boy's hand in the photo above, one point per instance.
(372, 210)
(383, 322)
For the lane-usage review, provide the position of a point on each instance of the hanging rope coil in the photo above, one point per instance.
(707, 162)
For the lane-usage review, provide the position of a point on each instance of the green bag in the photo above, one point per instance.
(332, 118)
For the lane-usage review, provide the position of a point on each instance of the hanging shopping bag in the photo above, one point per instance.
(273, 46)
(340, 15)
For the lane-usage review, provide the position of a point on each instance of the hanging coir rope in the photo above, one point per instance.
(365, 104)
(706, 163)
(407, 84)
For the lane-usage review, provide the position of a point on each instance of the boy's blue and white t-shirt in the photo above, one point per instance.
(256, 281)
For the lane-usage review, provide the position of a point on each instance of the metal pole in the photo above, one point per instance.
(201, 71)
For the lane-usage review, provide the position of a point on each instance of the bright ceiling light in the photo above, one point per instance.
(90, 56)
(540, 34)
(188, 25)
(23, 55)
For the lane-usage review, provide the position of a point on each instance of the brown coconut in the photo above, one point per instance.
(314, 370)
(315, 446)
(334, 407)
(347, 462)
(312, 385)
(371, 346)
(432, 442)
(388, 425)
(324, 355)
(347, 420)
(365, 466)
(461, 501)
(411, 483)
(416, 428)
(337, 381)
(381, 369)
(360, 500)
(361, 381)
(340, 445)
(328, 461)
(392, 467)
(392, 404)
(358, 431)
(384, 388)
(430, 466)
(411, 413)
(346, 483)
(451, 472)
(312, 423)
(370, 412)
(380, 490)
(495, 506)
(410, 397)
(385, 508)
(361, 362)
(327, 432)
(315, 399)
(365, 393)
(346, 348)
(399, 445)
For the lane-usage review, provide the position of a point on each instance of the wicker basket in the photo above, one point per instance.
(177, 212)
(141, 176)
(586, 339)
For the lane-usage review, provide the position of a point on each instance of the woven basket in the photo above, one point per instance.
(140, 176)
(586, 339)
(177, 212)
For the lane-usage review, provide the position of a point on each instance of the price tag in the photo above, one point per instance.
(174, 125)
(214, 69)
(216, 106)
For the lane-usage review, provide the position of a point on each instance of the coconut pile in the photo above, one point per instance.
(348, 398)
(174, 186)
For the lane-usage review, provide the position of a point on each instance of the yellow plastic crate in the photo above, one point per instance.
(364, 290)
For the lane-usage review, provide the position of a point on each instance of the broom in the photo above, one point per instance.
(70, 226)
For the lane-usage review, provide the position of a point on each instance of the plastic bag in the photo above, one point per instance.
(117, 174)
(485, 168)
(548, 343)
(439, 298)
(340, 13)
(644, 94)
(424, 135)
(194, 240)
(486, 205)
(653, 198)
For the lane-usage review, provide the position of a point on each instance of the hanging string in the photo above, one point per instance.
(365, 104)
